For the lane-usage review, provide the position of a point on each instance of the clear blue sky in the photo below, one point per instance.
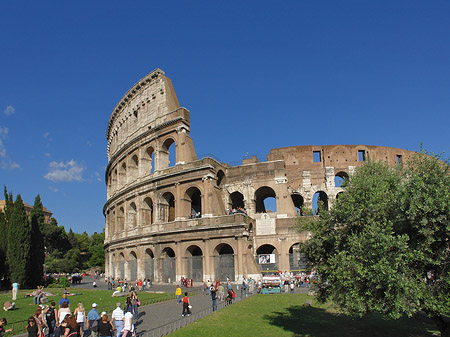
(255, 75)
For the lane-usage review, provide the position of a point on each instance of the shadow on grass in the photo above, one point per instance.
(311, 321)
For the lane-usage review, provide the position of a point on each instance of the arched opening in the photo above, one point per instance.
(194, 197)
(224, 262)
(113, 222)
(149, 265)
(298, 202)
(132, 215)
(149, 160)
(338, 195)
(168, 265)
(123, 174)
(265, 200)
(147, 212)
(133, 168)
(132, 265)
(112, 271)
(220, 176)
(168, 154)
(114, 179)
(168, 207)
(320, 201)
(267, 258)
(237, 203)
(122, 266)
(297, 260)
(340, 178)
(121, 220)
(194, 263)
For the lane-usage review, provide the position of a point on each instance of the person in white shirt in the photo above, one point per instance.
(128, 326)
(117, 316)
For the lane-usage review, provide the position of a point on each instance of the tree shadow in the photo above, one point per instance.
(311, 321)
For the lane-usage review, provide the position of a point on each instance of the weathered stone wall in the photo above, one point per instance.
(150, 231)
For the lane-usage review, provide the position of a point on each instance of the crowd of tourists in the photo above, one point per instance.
(122, 285)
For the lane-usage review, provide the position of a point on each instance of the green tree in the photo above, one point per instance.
(19, 244)
(55, 237)
(37, 244)
(384, 246)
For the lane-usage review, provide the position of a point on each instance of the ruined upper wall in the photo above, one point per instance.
(146, 105)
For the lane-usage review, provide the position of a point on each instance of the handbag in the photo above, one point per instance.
(190, 306)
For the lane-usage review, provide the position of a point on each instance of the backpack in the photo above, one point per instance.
(50, 315)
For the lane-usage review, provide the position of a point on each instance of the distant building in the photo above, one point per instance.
(47, 214)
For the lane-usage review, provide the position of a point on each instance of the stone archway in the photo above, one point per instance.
(224, 262)
(194, 263)
(267, 258)
(168, 265)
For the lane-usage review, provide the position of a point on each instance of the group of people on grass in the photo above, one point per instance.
(62, 322)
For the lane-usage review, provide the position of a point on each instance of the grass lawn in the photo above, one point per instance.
(25, 307)
(284, 315)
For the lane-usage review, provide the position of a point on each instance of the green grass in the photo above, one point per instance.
(25, 307)
(284, 315)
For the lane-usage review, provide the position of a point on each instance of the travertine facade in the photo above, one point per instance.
(150, 232)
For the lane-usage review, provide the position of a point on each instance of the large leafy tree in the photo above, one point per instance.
(19, 244)
(37, 244)
(384, 246)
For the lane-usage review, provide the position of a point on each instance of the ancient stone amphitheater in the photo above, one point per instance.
(201, 218)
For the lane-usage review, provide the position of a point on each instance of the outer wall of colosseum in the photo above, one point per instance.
(171, 218)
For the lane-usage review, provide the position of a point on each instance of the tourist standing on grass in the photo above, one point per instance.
(117, 317)
(178, 293)
(93, 318)
(80, 315)
(213, 298)
(186, 304)
(15, 289)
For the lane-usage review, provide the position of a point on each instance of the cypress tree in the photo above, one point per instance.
(37, 243)
(19, 244)
(3, 248)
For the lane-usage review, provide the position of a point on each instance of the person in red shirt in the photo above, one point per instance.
(186, 305)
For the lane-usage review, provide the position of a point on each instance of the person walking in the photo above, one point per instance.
(128, 326)
(80, 315)
(105, 328)
(186, 305)
(93, 318)
(50, 317)
(117, 317)
(178, 294)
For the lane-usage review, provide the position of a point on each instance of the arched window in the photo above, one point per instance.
(237, 203)
(339, 178)
(193, 195)
(265, 200)
(149, 160)
(132, 215)
(168, 154)
(132, 266)
(147, 212)
(220, 176)
(320, 199)
(298, 202)
(168, 207)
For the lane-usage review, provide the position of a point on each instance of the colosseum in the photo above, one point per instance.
(170, 214)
